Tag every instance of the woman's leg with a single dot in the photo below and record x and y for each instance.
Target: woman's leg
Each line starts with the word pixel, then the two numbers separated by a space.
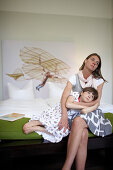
pixel 74 140
pixel 80 159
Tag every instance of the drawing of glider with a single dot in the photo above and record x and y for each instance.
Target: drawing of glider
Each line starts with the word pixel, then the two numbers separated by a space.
pixel 41 65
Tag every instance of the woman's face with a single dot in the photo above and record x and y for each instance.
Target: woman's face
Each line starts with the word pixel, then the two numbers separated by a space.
pixel 92 63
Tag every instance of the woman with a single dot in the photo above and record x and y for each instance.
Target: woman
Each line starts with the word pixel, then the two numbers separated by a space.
pixel 89 75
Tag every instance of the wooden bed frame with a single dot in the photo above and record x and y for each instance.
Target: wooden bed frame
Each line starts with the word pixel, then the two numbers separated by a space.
pixel 20 149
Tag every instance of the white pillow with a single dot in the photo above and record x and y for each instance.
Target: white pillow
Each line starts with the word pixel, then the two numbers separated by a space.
pixel 55 90
pixel 51 102
pixel 25 93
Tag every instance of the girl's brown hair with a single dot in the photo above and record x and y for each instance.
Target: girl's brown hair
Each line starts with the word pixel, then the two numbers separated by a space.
pixel 96 73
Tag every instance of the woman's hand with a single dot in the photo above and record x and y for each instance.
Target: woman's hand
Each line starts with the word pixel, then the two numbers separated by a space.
pixel 63 123
pixel 64 119
pixel 89 109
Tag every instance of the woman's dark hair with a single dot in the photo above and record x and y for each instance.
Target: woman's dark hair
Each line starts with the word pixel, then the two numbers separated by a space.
pixel 96 73
pixel 92 90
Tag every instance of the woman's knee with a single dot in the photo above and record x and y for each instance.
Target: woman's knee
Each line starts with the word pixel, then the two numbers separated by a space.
pixel 78 122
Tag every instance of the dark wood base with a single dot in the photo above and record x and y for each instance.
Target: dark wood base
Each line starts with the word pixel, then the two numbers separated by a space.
pixel 36 154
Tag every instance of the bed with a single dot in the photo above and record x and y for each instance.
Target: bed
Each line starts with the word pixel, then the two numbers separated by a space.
pixel 23 100
pixel 13 130
pixel 14 143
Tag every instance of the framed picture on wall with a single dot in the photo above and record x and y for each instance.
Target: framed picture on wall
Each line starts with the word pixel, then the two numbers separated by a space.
pixel 41 62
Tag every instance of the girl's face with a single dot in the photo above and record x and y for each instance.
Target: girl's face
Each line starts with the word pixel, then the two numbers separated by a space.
pixel 86 97
pixel 92 63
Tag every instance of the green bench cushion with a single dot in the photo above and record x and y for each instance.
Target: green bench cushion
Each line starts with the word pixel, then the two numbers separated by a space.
pixel 13 130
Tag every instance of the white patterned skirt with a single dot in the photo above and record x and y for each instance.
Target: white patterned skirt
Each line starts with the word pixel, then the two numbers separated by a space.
pixel 50 118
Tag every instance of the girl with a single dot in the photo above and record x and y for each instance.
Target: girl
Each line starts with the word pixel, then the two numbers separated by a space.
pixel 47 125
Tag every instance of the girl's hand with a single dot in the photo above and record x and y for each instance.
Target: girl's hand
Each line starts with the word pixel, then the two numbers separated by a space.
pixel 84 111
pixel 63 123
pixel 89 109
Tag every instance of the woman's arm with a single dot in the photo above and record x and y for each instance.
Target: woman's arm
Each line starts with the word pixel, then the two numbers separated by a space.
pixel 94 104
pixel 84 109
pixel 99 89
pixel 64 119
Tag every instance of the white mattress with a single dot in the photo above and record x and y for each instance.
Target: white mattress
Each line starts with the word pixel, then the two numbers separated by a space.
pixel 36 106
pixel 27 107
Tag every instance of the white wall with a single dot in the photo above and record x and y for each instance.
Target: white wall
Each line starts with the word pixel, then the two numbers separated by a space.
pixel 88 8
pixel 89 34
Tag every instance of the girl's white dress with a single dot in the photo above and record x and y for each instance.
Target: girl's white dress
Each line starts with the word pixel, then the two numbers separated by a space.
pixel 50 119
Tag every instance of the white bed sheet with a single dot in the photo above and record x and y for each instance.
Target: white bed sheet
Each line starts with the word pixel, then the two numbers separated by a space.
pixel 106 108
pixel 36 106
pixel 27 107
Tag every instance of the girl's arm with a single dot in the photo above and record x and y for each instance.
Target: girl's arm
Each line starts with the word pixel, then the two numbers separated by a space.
pixel 89 109
pixel 99 89
pixel 73 105
pixel 84 109
pixel 94 104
